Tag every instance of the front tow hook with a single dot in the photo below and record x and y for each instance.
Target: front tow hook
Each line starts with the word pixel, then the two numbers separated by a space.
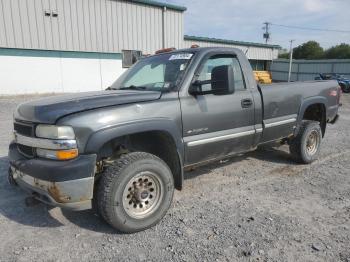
pixel 10 178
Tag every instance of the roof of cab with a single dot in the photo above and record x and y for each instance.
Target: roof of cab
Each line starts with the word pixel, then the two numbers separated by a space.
pixel 200 50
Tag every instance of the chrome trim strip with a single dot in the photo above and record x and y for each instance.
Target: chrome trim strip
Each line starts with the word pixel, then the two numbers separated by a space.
pixel 45 143
pixel 259 130
pixel 220 138
pixel 282 122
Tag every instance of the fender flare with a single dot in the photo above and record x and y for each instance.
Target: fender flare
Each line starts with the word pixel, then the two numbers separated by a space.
pixel 305 104
pixel 97 139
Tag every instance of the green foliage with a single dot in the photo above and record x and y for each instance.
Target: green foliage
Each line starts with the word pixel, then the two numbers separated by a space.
pixel 284 55
pixel 313 50
pixel 341 51
pixel 308 50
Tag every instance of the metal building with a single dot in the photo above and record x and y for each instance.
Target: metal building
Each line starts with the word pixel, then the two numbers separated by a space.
pixel 82 45
pixel 258 54
pixel 305 70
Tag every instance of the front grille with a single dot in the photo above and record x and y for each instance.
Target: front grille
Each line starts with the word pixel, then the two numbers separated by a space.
pixel 24 128
pixel 26 150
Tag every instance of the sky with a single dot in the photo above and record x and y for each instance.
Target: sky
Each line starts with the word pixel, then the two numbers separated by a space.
pixel 242 20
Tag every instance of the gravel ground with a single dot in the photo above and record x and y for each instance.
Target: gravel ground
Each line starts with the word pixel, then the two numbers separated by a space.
pixel 258 206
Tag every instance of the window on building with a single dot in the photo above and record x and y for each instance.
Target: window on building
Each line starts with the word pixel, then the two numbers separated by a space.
pixel 257 65
pixel 130 57
pixel 215 61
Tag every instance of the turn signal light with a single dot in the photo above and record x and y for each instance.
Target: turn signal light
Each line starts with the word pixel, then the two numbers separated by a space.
pixel 57 154
pixel 66 154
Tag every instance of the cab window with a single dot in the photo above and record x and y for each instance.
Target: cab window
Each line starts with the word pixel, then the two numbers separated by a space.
pixel 214 61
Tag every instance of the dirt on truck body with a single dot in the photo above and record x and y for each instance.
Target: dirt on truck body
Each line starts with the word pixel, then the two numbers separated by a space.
pixel 126 149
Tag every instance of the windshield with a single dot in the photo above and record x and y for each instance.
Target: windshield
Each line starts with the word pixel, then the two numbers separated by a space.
pixel 157 73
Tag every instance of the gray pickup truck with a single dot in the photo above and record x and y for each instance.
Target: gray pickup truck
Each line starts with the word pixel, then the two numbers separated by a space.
pixel 125 149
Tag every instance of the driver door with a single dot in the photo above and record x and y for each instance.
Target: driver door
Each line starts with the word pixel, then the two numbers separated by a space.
pixel 215 126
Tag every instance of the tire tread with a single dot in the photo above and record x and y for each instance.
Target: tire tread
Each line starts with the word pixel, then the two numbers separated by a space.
pixel 295 145
pixel 104 190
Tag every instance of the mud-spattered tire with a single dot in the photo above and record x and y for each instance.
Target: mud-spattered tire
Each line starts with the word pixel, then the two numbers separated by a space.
pixel 135 192
pixel 305 147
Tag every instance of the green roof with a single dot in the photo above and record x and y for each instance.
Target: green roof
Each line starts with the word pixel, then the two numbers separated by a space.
pixel 225 41
pixel 160 4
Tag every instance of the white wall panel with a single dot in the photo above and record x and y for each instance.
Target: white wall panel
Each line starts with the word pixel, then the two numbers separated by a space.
pixel 37 74
pixel 110 71
pixel 24 75
pixel 79 74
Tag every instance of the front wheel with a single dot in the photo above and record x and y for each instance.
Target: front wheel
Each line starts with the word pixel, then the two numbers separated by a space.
pixel 135 192
pixel 305 147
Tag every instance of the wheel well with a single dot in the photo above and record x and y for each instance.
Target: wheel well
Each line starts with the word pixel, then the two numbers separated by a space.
pixel 316 112
pixel 158 143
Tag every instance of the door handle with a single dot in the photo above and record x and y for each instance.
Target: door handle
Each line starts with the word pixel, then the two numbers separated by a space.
pixel 245 103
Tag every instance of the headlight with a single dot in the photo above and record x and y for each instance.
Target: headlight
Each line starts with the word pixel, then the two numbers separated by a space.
pixel 54 132
pixel 57 154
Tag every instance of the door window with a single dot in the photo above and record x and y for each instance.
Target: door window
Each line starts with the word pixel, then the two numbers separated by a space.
pixel 205 73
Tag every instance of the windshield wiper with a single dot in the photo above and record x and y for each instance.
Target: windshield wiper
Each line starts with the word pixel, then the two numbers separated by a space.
pixel 132 87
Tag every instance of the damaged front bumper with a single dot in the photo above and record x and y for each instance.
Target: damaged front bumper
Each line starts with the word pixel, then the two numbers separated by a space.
pixel 66 184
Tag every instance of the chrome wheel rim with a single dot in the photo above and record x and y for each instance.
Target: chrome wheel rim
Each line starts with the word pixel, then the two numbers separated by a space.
pixel 312 143
pixel 142 195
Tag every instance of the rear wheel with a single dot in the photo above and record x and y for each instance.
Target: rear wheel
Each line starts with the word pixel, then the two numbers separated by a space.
pixel 305 146
pixel 135 192
pixel 345 87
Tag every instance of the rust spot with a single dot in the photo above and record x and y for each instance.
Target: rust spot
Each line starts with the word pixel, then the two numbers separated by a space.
pixel 54 191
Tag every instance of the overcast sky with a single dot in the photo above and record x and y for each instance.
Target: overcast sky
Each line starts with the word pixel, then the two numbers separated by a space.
pixel 242 19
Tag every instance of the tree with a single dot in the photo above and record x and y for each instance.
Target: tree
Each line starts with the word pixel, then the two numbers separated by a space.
pixel 341 51
pixel 283 54
pixel 308 50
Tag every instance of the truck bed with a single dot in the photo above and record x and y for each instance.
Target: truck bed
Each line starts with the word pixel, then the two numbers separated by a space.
pixel 282 103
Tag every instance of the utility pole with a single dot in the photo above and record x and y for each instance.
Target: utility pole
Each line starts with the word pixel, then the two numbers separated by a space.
pixel 266 34
pixel 290 59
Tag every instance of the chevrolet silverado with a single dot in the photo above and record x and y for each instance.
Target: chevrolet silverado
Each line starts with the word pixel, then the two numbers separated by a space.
pixel 124 150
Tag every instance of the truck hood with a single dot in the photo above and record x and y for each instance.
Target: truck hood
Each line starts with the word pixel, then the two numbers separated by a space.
pixel 49 110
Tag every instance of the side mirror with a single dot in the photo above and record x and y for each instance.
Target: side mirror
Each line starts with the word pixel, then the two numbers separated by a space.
pixel 196 88
pixel 222 82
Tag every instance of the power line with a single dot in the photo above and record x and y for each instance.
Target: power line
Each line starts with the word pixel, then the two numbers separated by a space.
pixel 312 29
